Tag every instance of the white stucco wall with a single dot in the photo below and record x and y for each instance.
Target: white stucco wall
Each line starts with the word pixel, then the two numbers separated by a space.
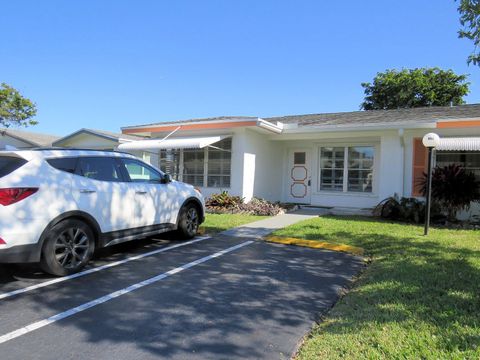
pixel 263 167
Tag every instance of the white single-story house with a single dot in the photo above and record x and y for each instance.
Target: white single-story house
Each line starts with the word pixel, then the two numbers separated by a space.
pixel 21 139
pixel 350 159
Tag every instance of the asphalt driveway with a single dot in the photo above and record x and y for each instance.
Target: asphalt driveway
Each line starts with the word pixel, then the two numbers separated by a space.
pixel 214 298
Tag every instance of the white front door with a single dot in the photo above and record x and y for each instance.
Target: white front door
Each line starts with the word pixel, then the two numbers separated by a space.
pixel 298 176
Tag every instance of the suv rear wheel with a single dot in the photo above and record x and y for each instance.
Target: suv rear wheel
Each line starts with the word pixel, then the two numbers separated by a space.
pixel 67 248
pixel 188 222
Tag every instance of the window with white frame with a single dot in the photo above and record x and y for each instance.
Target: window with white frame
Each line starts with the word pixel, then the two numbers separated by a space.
pixel 346 168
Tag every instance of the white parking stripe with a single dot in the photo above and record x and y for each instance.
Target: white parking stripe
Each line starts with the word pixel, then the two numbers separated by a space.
pixel 39 324
pixel 96 269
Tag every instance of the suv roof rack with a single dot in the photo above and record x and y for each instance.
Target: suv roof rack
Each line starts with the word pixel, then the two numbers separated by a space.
pixel 74 149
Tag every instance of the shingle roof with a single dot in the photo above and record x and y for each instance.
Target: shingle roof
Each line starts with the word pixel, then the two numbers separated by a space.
pixel 34 138
pixel 415 115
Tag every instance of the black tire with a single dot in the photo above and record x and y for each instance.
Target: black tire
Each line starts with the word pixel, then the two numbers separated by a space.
pixel 68 247
pixel 188 221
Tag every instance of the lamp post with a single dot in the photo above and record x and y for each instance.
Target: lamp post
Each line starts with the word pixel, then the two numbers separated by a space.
pixel 430 141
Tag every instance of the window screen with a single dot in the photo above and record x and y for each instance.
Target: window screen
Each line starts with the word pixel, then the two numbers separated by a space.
pixel 469 160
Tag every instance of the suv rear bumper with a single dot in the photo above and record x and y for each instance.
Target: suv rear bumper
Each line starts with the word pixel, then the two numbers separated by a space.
pixel 20 254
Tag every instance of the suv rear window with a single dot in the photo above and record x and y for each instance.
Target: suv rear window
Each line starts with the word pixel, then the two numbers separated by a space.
pixel 9 164
pixel 64 164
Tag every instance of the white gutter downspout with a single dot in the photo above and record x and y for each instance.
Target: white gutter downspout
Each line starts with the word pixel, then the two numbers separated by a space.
pixel 401 135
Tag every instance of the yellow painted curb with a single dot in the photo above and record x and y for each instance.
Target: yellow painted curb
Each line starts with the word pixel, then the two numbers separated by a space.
pixel 315 244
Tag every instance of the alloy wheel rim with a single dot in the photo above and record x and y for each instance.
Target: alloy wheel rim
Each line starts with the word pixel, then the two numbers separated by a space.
pixel 71 248
pixel 192 220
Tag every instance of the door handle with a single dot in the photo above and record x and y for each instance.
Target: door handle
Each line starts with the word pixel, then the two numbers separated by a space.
pixel 140 192
pixel 87 191
pixel 309 182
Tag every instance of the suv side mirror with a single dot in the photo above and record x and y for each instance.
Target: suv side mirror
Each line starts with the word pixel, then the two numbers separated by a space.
pixel 166 179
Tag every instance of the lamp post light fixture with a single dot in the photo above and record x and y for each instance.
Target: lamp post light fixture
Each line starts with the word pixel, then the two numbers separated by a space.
pixel 430 141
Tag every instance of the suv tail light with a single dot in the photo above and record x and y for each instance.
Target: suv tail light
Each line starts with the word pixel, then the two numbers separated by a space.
pixel 2 242
pixel 10 196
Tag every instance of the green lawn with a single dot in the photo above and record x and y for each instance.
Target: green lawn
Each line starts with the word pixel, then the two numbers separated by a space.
pixel 215 223
pixel 418 299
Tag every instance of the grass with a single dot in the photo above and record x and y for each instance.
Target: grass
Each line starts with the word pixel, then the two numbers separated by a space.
pixel 215 223
pixel 418 299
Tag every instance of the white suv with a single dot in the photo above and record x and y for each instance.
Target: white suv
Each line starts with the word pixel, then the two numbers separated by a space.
pixel 58 206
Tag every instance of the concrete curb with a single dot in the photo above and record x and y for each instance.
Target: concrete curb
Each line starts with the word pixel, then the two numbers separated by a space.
pixel 315 244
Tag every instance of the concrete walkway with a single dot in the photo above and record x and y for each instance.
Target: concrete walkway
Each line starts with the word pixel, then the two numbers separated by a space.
pixel 261 228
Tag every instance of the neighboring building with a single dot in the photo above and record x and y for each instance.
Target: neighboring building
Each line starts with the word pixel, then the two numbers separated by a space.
pixel 21 139
pixel 352 159
pixel 102 140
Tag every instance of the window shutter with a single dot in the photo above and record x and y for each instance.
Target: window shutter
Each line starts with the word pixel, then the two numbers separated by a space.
pixel 419 165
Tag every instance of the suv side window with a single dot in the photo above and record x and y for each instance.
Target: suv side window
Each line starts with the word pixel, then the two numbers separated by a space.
pixel 99 168
pixel 140 172
pixel 64 164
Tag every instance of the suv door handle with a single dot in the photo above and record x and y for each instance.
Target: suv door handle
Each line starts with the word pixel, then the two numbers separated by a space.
pixel 140 192
pixel 87 191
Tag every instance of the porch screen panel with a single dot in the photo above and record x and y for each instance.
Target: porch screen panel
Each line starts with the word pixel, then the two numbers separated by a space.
pixel 468 160
pixel 360 168
pixel 219 164
pixel 331 168
pixel 193 166
pixel 170 162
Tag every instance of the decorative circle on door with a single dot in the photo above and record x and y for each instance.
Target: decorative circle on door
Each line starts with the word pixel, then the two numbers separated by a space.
pixel 299 173
pixel 298 190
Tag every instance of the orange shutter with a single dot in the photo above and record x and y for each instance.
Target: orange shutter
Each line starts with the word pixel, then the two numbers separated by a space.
pixel 419 165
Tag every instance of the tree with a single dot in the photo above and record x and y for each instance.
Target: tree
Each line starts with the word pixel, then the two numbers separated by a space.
pixel 470 20
pixel 14 108
pixel 411 88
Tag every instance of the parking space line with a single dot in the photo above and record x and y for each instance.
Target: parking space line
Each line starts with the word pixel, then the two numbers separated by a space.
pixel 39 324
pixel 97 269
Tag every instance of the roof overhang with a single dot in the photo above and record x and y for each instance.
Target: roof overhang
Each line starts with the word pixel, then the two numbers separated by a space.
pixel 175 143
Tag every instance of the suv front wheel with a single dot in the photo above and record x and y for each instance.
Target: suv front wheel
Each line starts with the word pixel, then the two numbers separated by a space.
pixel 188 222
pixel 68 247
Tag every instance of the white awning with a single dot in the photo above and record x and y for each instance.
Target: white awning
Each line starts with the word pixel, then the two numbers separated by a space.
pixel 459 144
pixel 175 143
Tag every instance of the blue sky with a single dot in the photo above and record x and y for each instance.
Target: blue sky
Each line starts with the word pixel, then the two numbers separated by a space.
pixel 106 64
